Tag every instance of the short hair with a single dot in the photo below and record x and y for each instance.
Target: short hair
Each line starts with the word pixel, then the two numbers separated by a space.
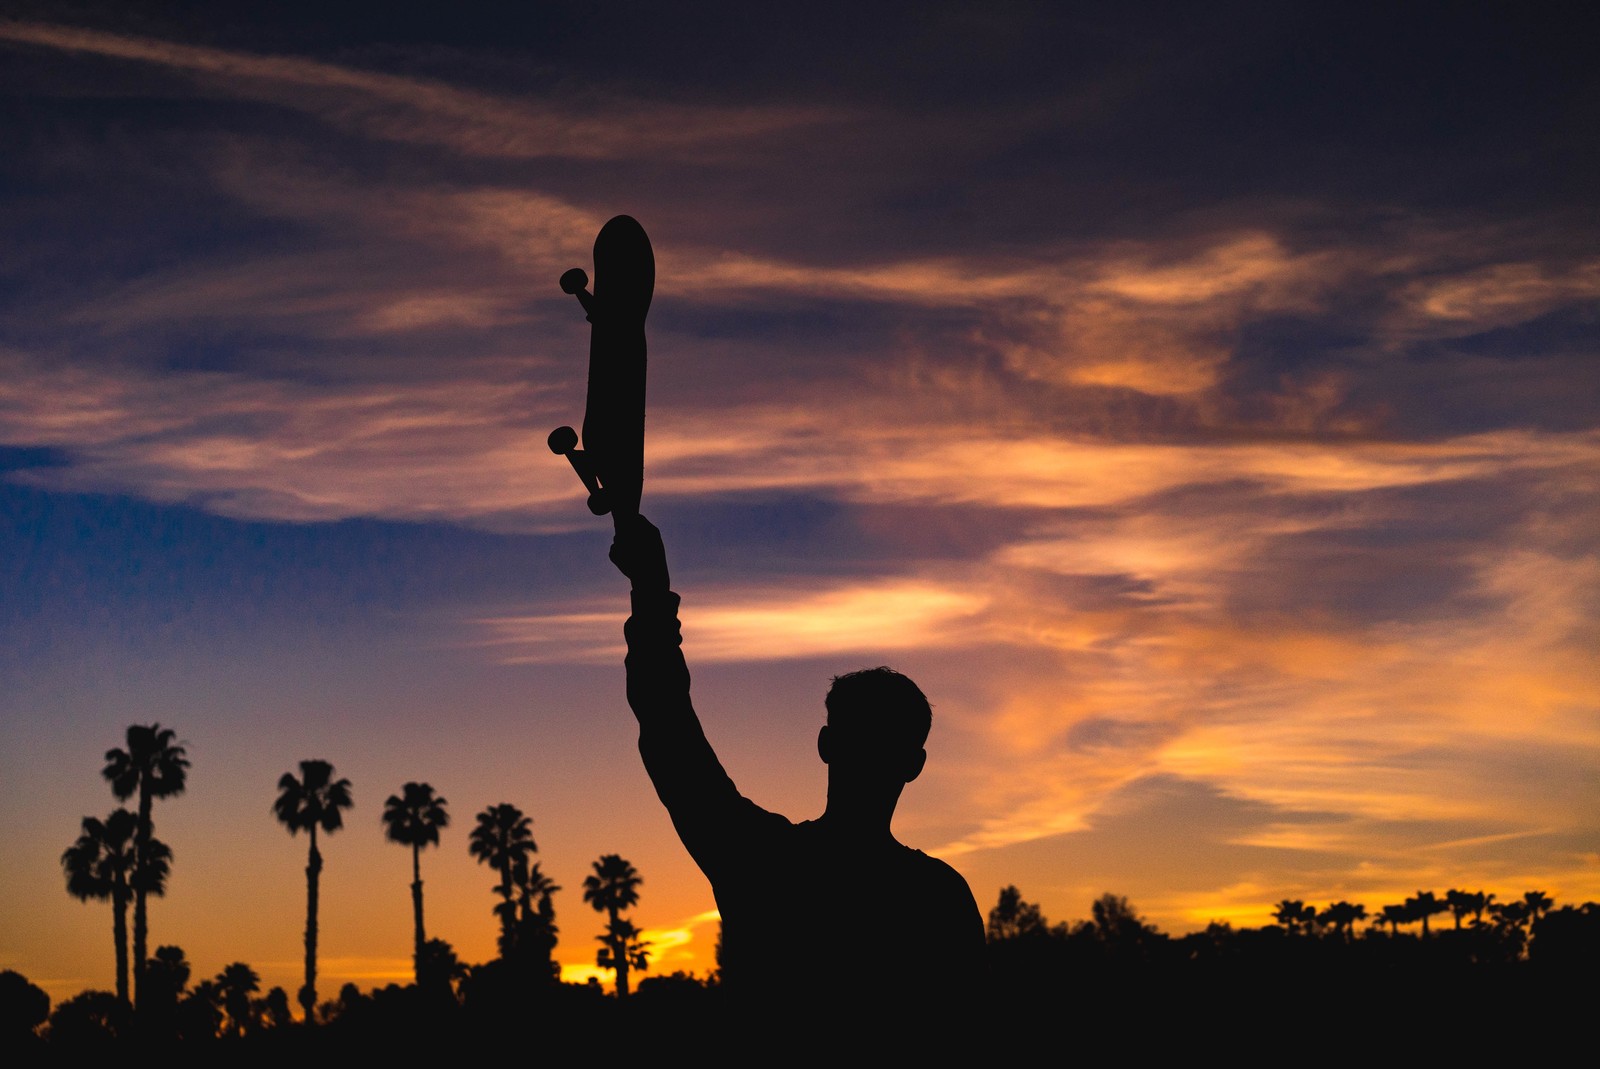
pixel 879 707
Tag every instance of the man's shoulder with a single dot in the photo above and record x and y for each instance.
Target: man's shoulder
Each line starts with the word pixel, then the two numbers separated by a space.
pixel 944 873
pixel 925 860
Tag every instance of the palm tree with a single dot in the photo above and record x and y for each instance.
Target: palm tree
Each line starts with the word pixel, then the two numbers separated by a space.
pixel 614 887
pixel 1343 917
pixel 1394 916
pixel 622 949
pixel 1459 903
pixel 173 967
pixel 534 890
pixel 535 933
pixel 1423 906
pixel 201 1011
pixel 153 766
pixel 1511 924
pixel 237 983
pixel 104 863
pixel 441 971
pixel 1538 904
pixel 315 800
pixel 274 1008
pixel 166 975
pixel 413 818
pixel 1510 914
pixel 98 866
pixel 1292 913
pixel 502 840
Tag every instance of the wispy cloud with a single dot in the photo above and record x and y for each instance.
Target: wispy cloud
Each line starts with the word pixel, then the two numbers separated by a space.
pixel 287 450
pixel 776 623
pixel 1500 294
pixel 399 108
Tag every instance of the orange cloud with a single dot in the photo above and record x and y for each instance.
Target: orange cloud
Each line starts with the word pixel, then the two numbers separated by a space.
pixel 795 621
pixel 1502 293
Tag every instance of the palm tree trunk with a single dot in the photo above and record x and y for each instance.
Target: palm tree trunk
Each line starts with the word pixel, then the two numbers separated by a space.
pixel 416 909
pixel 619 956
pixel 507 917
pixel 141 845
pixel 119 931
pixel 308 993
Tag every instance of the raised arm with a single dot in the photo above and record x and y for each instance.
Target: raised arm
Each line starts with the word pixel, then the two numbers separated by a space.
pixel 658 678
pixel 704 804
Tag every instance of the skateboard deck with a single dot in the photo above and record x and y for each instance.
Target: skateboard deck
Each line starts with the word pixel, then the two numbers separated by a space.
pixel 611 462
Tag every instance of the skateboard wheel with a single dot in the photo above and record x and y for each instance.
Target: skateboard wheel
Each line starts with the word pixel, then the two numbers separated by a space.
pixel 574 281
pixel 563 440
pixel 598 503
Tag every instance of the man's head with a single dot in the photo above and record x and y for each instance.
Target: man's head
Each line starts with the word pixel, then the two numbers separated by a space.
pixel 877 719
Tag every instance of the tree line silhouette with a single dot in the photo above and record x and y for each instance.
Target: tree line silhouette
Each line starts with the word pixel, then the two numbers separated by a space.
pixel 1034 965
pixel 119 860
pixel 1512 932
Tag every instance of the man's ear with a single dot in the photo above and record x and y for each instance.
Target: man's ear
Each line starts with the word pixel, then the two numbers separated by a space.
pixel 914 766
pixel 824 744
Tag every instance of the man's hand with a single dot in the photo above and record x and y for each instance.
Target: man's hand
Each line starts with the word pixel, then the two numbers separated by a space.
pixel 638 554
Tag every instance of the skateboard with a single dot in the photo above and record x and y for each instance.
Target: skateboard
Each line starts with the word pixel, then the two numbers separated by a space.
pixel 611 462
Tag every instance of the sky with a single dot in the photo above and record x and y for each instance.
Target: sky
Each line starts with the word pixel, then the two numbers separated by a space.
pixel 1200 402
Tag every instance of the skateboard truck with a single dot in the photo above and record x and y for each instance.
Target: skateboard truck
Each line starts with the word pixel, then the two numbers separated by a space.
pixel 563 441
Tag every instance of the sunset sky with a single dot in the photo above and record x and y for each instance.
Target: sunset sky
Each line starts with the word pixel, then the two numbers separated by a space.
pixel 1201 403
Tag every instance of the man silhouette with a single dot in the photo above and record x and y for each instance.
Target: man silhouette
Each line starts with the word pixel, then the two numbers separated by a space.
pixel 831 916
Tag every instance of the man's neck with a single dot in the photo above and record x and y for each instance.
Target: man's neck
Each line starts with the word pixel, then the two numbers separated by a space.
pixel 860 815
